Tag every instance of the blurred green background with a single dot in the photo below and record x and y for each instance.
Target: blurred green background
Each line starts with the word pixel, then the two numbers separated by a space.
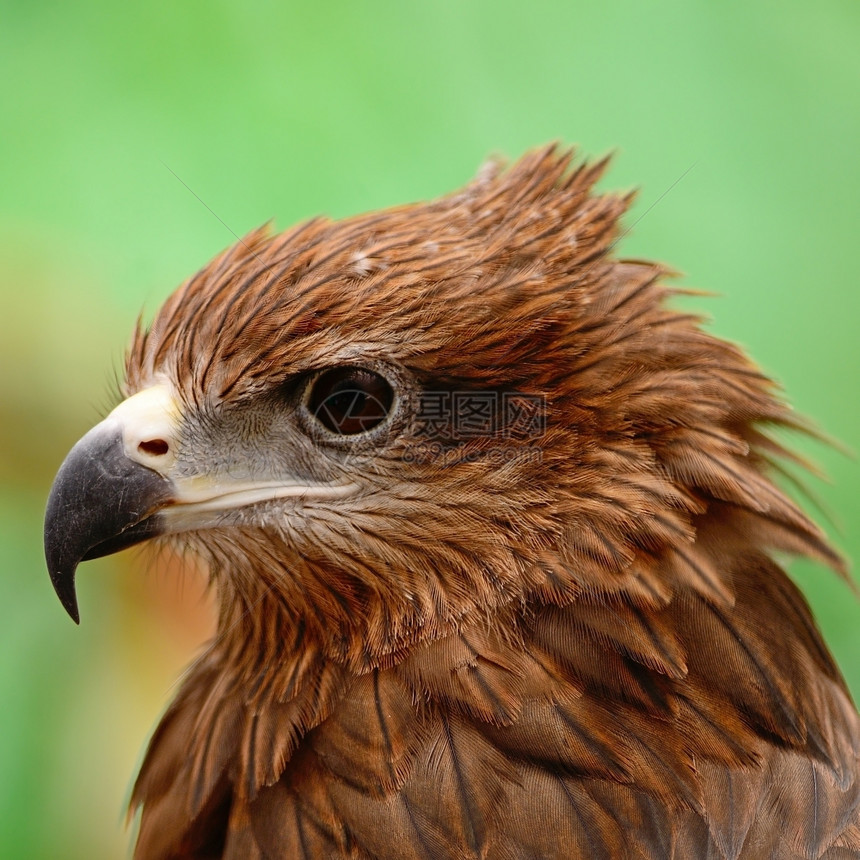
pixel 739 121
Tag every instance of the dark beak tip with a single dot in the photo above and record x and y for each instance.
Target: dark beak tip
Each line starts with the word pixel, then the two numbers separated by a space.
pixel 64 588
pixel 73 613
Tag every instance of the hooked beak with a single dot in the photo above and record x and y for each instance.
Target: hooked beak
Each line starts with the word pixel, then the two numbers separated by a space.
pixel 110 488
pixel 121 485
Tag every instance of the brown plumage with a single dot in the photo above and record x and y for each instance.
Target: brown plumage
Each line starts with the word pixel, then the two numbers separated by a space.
pixel 561 639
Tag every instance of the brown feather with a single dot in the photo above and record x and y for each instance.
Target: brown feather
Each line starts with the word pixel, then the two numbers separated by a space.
pixel 588 653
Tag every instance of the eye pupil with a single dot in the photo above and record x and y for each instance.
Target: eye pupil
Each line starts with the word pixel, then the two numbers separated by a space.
pixel 350 400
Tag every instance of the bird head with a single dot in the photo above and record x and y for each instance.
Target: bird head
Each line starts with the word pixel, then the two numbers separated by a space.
pixel 380 426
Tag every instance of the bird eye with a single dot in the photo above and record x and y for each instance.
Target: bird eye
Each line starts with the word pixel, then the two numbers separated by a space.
pixel 350 400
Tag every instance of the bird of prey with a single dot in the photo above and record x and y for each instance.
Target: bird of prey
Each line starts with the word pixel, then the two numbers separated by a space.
pixel 492 529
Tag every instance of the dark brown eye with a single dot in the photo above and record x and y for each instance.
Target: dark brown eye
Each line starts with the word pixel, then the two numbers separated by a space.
pixel 350 400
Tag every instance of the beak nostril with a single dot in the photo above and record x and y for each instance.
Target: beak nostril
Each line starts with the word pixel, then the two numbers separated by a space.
pixel 154 447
